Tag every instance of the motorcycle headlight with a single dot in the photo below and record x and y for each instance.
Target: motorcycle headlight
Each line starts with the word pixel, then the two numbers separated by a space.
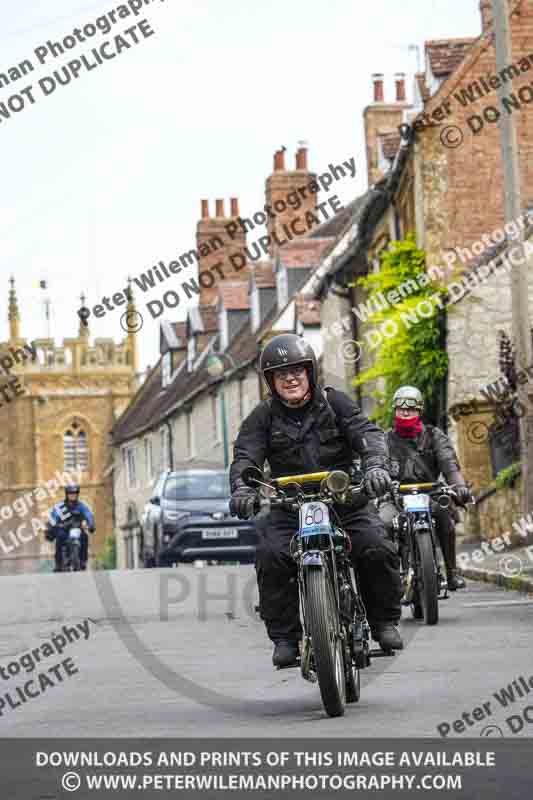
pixel 337 481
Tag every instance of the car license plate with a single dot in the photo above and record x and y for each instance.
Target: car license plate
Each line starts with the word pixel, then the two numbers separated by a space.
pixel 221 533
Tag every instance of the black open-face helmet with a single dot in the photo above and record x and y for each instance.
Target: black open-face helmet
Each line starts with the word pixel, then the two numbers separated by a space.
pixel 72 488
pixel 287 349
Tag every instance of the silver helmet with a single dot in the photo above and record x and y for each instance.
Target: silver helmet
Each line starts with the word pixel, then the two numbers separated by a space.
pixel 408 397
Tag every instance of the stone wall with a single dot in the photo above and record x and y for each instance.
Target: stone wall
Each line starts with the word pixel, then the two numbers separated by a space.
pixel 495 515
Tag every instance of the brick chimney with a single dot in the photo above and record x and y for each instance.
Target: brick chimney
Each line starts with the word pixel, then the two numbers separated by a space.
pixel 216 240
pixel 381 118
pixel 399 79
pixel 279 185
pixel 377 79
pixel 485 7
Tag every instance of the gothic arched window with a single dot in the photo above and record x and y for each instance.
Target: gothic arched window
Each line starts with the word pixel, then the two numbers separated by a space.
pixel 75 449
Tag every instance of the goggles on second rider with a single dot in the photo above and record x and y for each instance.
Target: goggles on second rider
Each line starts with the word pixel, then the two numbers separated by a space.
pixel 283 373
pixel 407 402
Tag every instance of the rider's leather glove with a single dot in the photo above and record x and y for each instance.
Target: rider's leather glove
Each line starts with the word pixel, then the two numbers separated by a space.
pixel 463 494
pixel 243 502
pixel 377 481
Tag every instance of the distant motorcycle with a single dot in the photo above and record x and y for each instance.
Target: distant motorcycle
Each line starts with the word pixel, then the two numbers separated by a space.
pixel 421 560
pixel 335 629
pixel 71 548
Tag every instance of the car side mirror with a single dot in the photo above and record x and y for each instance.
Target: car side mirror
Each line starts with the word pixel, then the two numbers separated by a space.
pixel 251 476
pixel 156 501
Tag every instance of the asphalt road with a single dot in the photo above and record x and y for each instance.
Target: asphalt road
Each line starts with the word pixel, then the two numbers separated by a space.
pixel 180 652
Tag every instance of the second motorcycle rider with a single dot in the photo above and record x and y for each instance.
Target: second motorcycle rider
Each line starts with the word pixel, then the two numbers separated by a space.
pixel 303 428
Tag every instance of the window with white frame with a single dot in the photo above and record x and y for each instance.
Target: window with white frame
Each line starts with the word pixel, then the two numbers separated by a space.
pixel 191 444
pixel 255 312
pixel 283 287
pixel 148 459
pixel 215 416
pixel 191 351
pixel 164 446
pixel 131 466
pixel 166 368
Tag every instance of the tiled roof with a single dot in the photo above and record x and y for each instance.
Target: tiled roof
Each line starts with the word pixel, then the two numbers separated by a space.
pixel 234 295
pixel 152 404
pixel 264 274
pixel 303 253
pixel 307 311
pixel 446 54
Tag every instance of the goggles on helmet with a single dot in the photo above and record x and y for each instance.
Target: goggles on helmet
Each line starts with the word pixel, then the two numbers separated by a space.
pixel 407 402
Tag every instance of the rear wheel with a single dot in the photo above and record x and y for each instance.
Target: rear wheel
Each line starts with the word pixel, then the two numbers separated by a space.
pixel 427 584
pixel 324 628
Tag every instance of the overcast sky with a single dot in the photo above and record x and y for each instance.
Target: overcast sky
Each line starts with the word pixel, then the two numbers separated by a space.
pixel 104 177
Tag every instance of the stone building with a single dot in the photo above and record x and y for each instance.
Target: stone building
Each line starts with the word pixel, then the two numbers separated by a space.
pixel 57 425
pixel 443 180
pixel 185 416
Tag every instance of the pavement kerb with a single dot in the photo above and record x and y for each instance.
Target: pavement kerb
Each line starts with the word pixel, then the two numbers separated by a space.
pixel 515 583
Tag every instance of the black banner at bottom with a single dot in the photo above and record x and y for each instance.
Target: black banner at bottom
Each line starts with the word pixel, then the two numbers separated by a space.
pixel 33 769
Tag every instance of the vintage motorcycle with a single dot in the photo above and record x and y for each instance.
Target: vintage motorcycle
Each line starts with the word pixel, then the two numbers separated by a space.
pixel 336 633
pixel 71 547
pixel 422 565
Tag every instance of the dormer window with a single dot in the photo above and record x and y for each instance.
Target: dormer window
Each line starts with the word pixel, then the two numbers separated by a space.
pixel 254 309
pixel 166 368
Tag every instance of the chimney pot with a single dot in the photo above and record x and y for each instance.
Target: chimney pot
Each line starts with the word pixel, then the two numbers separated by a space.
pixel 234 206
pixel 400 87
pixel 279 160
pixel 219 208
pixel 205 209
pixel 377 78
pixel 485 7
pixel 301 158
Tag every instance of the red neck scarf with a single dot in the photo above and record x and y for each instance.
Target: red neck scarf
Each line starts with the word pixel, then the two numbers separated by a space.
pixel 407 428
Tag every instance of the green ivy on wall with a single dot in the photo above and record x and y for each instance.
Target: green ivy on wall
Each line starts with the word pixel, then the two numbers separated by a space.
pixel 415 353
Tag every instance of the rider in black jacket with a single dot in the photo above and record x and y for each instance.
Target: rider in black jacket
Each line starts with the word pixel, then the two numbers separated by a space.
pixel 419 453
pixel 302 428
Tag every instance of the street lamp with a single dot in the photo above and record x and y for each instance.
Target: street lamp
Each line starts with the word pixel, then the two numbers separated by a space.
pixel 215 368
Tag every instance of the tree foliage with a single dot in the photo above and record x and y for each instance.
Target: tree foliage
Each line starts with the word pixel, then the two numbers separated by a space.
pixel 411 349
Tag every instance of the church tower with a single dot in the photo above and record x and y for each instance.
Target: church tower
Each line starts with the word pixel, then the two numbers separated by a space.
pixel 58 403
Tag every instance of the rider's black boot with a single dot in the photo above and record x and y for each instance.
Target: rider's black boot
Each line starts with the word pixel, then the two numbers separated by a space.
pixel 285 654
pixel 454 580
pixel 388 636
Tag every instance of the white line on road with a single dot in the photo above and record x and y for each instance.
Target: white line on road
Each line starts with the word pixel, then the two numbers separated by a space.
pixel 498 603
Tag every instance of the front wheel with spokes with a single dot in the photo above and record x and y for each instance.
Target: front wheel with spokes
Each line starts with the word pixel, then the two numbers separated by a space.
pixel 328 647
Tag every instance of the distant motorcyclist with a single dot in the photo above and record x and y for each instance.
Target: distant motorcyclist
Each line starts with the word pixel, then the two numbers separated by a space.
pixel 303 428
pixel 420 452
pixel 58 524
